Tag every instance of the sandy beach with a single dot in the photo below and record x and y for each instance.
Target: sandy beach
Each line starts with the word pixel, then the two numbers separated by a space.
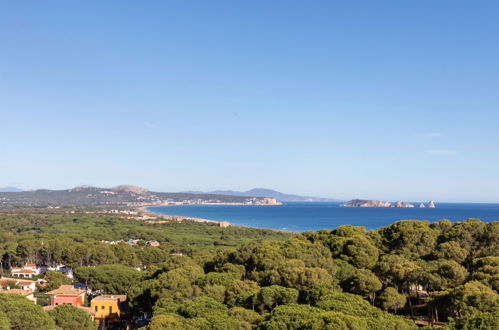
pixel 163 218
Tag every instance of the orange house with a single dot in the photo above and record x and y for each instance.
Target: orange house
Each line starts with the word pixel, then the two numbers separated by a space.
pixel 109 306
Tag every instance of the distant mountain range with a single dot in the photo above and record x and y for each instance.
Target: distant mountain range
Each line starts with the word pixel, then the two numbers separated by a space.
pixel 10 189
pixel 262 192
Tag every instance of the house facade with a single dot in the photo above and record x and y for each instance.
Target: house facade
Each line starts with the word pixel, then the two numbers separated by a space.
pixel 67 299
pixel 16 286
pixel 66 270
pixel 26 271
pixel 67 295
pixel 26 293
pixel 10 283
pixel 108 307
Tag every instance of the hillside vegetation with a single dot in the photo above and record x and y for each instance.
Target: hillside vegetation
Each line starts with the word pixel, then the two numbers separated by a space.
pixel 438 273
pixel 120 195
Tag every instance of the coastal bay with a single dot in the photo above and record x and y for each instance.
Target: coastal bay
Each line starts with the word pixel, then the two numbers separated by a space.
pixel 315 216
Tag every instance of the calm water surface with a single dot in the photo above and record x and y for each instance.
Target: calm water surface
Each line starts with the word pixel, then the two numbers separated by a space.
pixel 314 216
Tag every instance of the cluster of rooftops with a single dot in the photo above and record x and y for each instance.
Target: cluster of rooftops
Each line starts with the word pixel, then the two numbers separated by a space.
pixel 101 307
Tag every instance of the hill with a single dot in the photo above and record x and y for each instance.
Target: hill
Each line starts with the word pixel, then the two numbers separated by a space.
pixel 120 195
pixel 10 189
pixel 282 197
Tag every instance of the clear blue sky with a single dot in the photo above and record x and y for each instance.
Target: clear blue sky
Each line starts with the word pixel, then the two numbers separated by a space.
pixel 348 99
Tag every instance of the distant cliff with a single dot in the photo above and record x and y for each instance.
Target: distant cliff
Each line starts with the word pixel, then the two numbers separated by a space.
pixel 374 203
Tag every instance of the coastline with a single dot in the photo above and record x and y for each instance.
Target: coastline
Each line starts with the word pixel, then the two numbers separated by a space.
pixel 163 218
pixel 300 217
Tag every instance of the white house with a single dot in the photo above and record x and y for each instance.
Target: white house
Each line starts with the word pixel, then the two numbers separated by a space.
pixel 66 270
pixel 28 270
pixel 26 285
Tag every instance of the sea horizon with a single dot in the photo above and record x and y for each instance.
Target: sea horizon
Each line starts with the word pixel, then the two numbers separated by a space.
pixel 302 216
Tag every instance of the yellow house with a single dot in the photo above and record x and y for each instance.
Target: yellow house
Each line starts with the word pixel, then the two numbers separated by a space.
pixel 106 307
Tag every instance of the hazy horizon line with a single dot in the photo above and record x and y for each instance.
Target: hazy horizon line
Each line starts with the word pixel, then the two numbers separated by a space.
pixel 193 191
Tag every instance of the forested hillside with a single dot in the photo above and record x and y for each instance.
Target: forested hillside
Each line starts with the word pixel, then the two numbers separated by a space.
pixel 120 195
pixel 205 277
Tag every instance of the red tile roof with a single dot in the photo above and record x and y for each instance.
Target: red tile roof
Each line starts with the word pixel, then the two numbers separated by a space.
pixel 6 280
pixel 67 295
pixel 21 271
pixel 66 289
pixel 120 297
pixel 18 291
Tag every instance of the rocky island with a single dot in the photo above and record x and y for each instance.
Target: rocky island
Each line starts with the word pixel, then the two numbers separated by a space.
pixel 375 203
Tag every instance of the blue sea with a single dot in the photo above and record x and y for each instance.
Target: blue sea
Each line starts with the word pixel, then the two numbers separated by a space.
pixel 314 216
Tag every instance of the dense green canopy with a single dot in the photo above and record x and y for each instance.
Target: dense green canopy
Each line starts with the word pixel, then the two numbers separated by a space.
pixel 204 277
pixel 23 314
pixel 70 317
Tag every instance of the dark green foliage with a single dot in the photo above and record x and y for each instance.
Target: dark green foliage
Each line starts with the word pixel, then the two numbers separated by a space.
pixel 446 274
pixel 215 278
pixel 243 314
pixel 174 279
pixel 314 294
pixel 351 244
pixel 75 241
pixel 410 238
pixel 268 280
pixel 468 234
pixel 365 283
pixel 396 270
pixel 109 278
pixel 390 299
pixel 240 293
pixel 54 280
pixel 272 296
pixel 354 305
pixel 206 310
pixel 486 270
pixel 24 314
pixel 479 321
pixel 306 317
pixel 70 317
pixel 311 254
pixel 165 306
pixel 168 322
pixel 4 321
pixel 442 226
pixel 450 251
pixel 474 297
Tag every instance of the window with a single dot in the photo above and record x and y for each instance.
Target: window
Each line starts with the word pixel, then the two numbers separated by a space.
pixel 102 307
pixel 96 308
pixel 110 309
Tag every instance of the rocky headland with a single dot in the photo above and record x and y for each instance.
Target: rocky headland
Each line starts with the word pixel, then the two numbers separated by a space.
pixel 375 203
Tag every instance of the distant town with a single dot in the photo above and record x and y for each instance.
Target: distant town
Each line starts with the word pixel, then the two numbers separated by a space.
pixel 130 196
